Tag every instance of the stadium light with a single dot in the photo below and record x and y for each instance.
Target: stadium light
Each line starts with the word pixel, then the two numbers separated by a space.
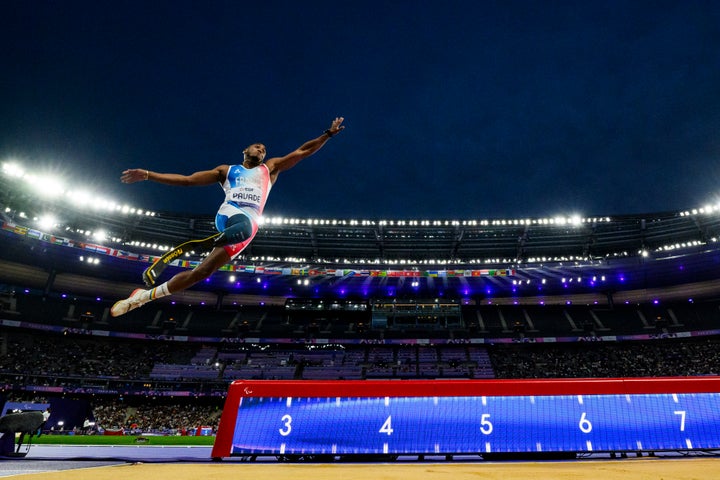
pixel 12 169
pixel 47 222
pixel 46 186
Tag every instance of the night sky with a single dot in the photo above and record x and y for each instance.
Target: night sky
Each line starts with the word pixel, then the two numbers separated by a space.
pixel 453 109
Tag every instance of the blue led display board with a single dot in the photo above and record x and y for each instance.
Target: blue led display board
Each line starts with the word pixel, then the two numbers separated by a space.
pixel 469 417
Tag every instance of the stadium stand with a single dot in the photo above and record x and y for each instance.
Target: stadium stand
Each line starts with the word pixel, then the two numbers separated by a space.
pixel 630 295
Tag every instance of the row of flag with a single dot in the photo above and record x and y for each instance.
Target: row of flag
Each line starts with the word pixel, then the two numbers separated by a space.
pixel 257 269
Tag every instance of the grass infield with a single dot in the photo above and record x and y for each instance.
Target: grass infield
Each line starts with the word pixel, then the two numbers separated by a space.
pixel 123 440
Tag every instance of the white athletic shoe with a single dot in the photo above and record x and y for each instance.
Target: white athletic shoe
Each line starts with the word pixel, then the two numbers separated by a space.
pixel 131 303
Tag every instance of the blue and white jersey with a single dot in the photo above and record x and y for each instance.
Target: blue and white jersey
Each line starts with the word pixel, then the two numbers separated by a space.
pixel 246 190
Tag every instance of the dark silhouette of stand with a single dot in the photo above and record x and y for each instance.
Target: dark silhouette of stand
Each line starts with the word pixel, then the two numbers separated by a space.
pixel 25 423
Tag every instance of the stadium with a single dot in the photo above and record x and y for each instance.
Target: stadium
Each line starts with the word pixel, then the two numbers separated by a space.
pixel 359 301
pixel 497 256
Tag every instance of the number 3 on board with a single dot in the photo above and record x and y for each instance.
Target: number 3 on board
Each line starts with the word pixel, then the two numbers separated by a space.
pixel 387 426
pixel 287 428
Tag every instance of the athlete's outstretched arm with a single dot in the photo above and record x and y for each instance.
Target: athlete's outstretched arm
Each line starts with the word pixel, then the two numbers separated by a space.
pixel 280 164
pixel 204 177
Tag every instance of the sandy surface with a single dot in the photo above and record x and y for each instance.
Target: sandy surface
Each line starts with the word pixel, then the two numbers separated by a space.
pixel 625 469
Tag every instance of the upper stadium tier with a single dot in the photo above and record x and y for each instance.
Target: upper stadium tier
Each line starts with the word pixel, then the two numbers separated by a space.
pixel 630 256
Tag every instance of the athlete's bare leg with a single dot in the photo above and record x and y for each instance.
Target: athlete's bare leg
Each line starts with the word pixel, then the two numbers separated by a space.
pixel 181 281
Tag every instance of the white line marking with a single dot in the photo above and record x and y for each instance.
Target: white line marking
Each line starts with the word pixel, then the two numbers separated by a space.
pixel 589 445
pixel 288 402
pixel 580 399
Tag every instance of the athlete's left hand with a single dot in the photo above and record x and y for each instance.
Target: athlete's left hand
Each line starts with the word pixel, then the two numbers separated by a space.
pixel 336 126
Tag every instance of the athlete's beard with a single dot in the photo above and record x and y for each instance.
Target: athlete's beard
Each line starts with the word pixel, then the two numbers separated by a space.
pixel 253 161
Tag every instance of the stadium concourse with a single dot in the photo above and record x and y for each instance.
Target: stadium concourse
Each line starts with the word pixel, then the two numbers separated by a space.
pixel 313 299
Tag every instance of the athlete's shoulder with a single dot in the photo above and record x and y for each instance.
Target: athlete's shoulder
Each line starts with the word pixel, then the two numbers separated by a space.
pixel 222 172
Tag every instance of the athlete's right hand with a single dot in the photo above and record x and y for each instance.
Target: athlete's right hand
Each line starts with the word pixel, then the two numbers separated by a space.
pixel 133 175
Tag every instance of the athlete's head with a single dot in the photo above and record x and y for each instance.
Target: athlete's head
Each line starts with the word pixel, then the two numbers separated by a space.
pixel 254 155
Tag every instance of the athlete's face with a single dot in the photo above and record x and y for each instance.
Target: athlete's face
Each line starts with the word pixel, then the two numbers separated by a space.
pixel 254 154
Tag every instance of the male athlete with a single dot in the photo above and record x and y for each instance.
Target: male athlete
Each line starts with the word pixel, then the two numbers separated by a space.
pixel 246 189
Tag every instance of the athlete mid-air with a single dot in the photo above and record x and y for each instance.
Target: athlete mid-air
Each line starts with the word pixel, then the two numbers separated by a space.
pixel 246 187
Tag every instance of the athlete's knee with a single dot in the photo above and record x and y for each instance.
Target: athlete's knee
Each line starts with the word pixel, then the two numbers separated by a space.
pixel 238 229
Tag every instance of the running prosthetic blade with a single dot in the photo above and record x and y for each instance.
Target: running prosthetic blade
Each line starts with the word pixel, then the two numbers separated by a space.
pixel 151 274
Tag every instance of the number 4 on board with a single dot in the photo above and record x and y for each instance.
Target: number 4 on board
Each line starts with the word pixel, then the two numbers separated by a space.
pixel 387 426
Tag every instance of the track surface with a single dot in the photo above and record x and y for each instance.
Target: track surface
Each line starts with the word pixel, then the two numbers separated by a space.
pixel 180 463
